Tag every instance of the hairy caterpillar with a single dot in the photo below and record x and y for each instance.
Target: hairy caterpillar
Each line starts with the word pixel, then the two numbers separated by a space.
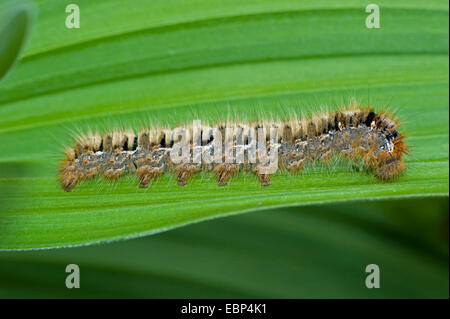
pixel 357 133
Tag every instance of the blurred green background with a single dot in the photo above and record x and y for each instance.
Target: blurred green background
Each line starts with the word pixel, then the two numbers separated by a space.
pixel 304 252
pixel 182 59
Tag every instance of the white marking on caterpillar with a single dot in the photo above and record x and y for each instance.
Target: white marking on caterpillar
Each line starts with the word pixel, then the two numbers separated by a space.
pixel 261 146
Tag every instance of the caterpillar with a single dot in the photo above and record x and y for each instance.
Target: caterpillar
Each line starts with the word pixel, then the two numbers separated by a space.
pixel 225 148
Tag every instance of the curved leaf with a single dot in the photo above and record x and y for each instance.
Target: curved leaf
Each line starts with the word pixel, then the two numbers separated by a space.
pixel 182 64
pixel 304 252
pixel 15 23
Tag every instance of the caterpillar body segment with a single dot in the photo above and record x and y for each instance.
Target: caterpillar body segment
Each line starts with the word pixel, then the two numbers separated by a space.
pixel 359 134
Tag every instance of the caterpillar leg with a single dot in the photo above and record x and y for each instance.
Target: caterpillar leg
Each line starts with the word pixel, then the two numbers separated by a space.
pixel 260 171
pixel 70 176
pixel 224 172
pixel 149 165
pixel 185 171
pixel 73 171
pixel 147 173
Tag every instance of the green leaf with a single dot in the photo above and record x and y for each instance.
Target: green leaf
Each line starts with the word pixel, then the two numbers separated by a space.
pixel 305 252
pixel 15 22
pixel 178 61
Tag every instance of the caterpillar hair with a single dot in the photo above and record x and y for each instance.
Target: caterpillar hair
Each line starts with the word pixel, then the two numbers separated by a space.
pixel 359 134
